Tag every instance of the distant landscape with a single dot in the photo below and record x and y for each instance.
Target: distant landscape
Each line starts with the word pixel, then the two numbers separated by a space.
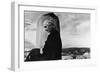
pixel 75 53
pixel 67 53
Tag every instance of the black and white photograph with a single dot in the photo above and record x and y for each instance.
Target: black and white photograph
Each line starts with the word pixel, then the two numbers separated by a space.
pixel 56 36
pixel 52 36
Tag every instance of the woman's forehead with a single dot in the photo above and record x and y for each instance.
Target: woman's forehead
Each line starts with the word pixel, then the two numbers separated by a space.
pixel 47 22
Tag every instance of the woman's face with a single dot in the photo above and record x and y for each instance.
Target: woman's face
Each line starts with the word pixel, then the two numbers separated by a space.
pixel 48 25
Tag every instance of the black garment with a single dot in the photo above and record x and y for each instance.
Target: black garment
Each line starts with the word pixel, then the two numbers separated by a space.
pixel 53 46
pixel 34 55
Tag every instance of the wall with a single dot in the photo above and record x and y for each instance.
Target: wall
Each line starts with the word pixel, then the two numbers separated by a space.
pixel 5 31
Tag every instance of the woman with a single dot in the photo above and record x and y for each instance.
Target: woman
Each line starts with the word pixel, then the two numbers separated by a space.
pixel 53 46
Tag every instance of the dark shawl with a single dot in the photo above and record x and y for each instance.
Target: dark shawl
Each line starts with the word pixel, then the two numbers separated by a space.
pixel 53 46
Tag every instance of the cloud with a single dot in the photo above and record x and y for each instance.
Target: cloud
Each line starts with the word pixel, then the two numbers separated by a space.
pixel 75 29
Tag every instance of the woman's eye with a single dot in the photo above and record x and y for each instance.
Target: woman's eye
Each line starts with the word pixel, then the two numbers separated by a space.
pixel 49 23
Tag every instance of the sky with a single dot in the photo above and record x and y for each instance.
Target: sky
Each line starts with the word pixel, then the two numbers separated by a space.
pixel 75 28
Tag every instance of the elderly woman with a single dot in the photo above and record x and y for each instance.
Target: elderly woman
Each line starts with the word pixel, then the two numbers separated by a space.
pixel 53 46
